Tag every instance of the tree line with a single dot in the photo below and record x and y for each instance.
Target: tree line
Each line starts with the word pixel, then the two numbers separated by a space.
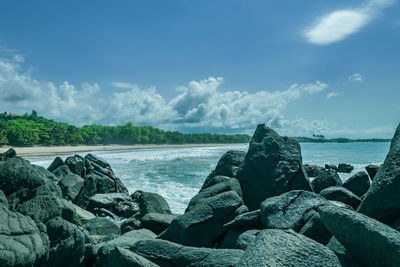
pixel 28 130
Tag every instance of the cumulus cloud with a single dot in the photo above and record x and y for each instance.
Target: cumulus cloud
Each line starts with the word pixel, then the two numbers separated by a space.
pixel 331 94
pixel 356 77
pixel 340 24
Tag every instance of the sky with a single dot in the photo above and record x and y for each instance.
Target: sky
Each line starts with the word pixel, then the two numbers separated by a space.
pixel 301 67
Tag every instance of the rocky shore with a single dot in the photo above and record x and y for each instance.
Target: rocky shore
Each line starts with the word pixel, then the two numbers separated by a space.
pixel 260 208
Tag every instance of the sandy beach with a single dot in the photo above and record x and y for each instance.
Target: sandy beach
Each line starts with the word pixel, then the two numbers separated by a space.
pixel 60 150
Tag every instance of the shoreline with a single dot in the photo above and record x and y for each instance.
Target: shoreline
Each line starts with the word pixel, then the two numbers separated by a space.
pixel 62 150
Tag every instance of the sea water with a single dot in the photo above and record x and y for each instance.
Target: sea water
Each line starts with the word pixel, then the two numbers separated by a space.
pixel 178 173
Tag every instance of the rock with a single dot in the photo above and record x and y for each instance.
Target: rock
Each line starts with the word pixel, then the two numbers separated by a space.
pixel 239 238
pixel 315 229
pixel 157 222
pixel 341 194
pixel 165 253
pixel 213 180
pixel 202 225
pixel 57 162
pixel 3 199
pixel 372 170
pixel 150 202
pixel 82 216
pixel 71 185
pixel 346 260
pixel 90 158
pixel 9 154
pixel 329 166
pixel 250 219
pixel 326 179
pixel 123 257
pixel 67 243
pixel 21 242
pixel 286 211
pixel 76 164
pixel 344 167
pixel 358 184
pixel 382 201
pixel 132 223
pixel 231 184
pixel 272 166
pixel 126 241
pixel 370 242
pixel 102 226
pixel 61 171
pixel 275 247
pixel 313 170
pixel 118 203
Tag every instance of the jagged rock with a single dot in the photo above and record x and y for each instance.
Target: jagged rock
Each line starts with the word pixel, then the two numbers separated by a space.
pixel 326 179
pixel 3 199
pixel 372 170
pixel 274 247
pixel 76 164
pixel 250 219
pixel 358 184
pixel 57 162
pixel 231 184
pixel 239 238
pixel 118 203
pixel 132 223
pixel 71 185
pixel 82 216
pixel 102 226
pixel 382 201
pixel 341 194
pixel 90 158
pixel 204 223
pixel 9 154
pixel 123 257
pixel 126 241
pixel 344 167
pixel 329 166
pixel 150 202
pixel 272 166
pixel 313 170
pixel 61 171
pixel 370 242
pixel 157 222
pixel 67 243
pixel 315 229
pixel 165 253
pixel 21 242
pixel 286 211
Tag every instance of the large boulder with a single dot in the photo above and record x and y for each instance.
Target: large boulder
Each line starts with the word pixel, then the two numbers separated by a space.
pixel 370 242
pixel 124 257
pixel 102 226
pixel 9 154
pixel 165 253
pixel 344 167
pixel 71 185
pixel 272 166
pixel 382 201
pixel 250 219
pixel 157 222
pixel 202 225
pixel 372 170
pixel 359 183
pixel 313 170
pixel 274 247
pixel 119 204
pixel 21 242
pixel 150 202
pixel 345 258
pixel 315 229
pixel 239 238
pixel 76 164
pixel 330 166
pixel 326 179
pixel 341 194
pixel 286 211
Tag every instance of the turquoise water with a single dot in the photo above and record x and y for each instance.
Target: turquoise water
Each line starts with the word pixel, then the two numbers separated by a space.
pixel 178 173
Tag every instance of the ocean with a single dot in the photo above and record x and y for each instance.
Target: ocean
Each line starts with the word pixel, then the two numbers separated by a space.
pixel 178 173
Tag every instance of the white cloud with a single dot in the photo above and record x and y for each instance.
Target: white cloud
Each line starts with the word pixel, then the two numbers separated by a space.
pixel 340 24
pixel 356 77
pixel 123 85
pixel 331 94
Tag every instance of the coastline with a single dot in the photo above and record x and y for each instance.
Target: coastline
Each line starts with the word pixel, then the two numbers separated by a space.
pixel 62 150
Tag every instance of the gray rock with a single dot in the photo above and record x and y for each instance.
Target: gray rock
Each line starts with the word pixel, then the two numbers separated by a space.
pixel 3 199
pixel 250 219
pixel 359 183
pixel 275 247
pixel 315 229
pixel 9 154
pixel 150 202
pixel 123 257
pixel 341 194
pixel 119 204
pixel 329 166
pixel 67 243
pixel 21 242
pixel 239 238
pixel 372 170
pixel 165 253
pixel 370 242
pixel 82 216
pixel 205 222
pixel 57 162
pixel 90 158
pixel 71 185
pixel 344 167
pixel 313 170
pixel 326 179
pixel 272 166
pixel 287 210
pixel 132 223
pixel 102 226
pixel 157 222
pixel 382 201
pixel 346 260
pixel 61 171
pixel 76 164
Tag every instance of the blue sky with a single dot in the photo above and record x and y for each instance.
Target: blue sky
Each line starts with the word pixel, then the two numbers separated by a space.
pixel 303 67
